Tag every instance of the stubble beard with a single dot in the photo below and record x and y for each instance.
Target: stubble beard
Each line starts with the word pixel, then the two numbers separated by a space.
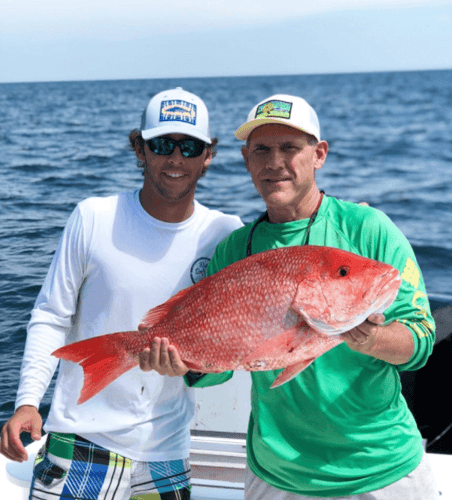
pixel 166 193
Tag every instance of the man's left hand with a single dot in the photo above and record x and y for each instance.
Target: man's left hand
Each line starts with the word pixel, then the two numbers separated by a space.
pixel 363 337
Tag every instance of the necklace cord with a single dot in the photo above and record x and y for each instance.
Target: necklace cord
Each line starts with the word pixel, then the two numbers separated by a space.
pixel 264 217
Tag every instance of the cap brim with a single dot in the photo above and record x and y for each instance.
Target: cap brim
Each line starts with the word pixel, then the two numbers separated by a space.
pixel 245 130
pixel 175 128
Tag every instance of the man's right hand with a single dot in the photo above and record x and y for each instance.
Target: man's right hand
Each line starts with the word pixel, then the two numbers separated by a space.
pixel 163 358
pixel 26 419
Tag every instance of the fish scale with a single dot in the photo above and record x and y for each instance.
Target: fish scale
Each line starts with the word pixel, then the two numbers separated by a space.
pixel 282 308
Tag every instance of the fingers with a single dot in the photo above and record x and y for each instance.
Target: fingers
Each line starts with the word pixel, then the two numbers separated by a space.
pixel 178 366
pixel 26 419
pixel 362 337
pixel 376 319
pixel 7 448
pixel 162 358
pixel 355 336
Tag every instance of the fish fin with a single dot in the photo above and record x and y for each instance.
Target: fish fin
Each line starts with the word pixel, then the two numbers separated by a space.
pixel 279 345
pixel 102 358
pixel 156 314
pixel 195 367
pixel 291 371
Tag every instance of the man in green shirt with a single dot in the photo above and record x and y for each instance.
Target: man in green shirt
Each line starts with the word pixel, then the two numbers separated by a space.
pixel 341 427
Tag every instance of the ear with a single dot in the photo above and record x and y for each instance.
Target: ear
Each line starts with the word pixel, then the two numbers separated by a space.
pixel 321 151
pixel 139 150
pixel 207 159
pixel 245 154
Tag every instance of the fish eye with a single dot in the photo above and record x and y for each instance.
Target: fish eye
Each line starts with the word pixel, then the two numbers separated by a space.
pixel 343 271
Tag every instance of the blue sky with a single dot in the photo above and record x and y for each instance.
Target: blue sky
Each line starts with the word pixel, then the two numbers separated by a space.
pixel 47 40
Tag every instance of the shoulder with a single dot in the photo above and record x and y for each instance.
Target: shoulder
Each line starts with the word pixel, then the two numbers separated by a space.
pixel 354 211
pixel 231 249
pixel 217 219
pixel 99 209
pixel 351 216
pixel 237 239
pixel 100 204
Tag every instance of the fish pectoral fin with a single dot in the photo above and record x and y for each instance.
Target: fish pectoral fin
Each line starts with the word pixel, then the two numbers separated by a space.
pixel 279 345
pixel 291 371
pixel 196 367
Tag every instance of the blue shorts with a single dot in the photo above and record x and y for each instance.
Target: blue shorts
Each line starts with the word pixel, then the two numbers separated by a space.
pixel 70 467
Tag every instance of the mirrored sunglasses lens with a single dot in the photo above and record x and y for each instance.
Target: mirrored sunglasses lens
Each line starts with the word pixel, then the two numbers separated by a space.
pixel 161 146
pixel 191 148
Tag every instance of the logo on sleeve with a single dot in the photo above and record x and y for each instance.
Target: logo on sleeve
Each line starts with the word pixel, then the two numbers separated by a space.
pixel 411 273
pixel 198 269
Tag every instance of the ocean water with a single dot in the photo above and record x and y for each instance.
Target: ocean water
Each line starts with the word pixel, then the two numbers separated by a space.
pixel 390 137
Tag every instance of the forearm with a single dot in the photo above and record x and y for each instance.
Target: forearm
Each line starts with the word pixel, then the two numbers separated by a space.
pixel 392 343
pixel 38 365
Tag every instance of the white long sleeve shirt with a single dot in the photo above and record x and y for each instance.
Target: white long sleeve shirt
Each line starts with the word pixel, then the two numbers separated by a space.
pixel 114 262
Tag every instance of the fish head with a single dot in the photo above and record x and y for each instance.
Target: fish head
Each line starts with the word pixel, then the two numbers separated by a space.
pixel 342 289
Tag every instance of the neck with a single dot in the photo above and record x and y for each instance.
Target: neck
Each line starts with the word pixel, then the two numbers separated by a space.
pixel 176 211
pixel 309 205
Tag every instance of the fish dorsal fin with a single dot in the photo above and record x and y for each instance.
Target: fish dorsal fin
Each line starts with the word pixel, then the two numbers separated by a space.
pixel 155 315
pixel 279 345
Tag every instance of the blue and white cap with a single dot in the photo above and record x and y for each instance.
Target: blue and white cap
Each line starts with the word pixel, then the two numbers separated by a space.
pixel 284 109
pixel 176 111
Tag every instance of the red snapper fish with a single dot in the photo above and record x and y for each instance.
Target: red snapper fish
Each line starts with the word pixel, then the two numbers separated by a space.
pixel 281 308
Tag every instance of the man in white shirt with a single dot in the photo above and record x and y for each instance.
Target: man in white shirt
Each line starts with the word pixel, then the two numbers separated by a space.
pixel 118 257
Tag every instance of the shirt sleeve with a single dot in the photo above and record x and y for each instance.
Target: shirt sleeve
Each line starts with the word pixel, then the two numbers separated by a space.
pixel 51 317
pixel 411 307
pixel 207 379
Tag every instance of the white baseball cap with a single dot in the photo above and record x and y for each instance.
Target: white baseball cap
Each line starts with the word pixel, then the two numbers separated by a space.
pixel 283 109
pixel 176 111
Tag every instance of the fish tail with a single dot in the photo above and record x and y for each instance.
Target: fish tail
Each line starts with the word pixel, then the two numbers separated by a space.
pixel 103 360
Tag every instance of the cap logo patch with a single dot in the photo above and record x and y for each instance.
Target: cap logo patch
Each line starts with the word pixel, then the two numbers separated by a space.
pixel 179 111
pixel 275 109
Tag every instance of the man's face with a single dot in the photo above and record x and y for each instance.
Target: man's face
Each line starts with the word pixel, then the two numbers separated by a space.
pixel 282 163
pixel 174 177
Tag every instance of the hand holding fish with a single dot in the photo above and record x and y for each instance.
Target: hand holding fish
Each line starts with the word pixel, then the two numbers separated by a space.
pixel 392 343
pixel 163 358
pixel 362 337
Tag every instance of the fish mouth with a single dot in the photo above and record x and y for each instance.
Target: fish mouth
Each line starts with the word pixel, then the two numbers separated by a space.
pixel 383 295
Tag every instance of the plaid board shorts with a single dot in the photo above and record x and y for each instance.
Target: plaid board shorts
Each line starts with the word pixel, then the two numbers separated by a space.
pixel 70 467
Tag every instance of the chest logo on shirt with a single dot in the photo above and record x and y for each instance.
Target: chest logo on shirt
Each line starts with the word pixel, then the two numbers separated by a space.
pixel 198 269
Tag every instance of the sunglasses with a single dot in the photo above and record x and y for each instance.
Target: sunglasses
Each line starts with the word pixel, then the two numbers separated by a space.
pixel 164 146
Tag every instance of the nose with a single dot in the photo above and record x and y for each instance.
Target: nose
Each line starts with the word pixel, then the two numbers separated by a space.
pixel 275 159
pixel 176 156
